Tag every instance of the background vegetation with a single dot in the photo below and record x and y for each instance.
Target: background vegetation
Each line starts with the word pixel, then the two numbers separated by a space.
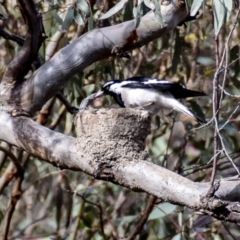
pixel 64 204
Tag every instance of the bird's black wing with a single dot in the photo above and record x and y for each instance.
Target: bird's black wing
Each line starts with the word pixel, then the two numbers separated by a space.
pixel 164 86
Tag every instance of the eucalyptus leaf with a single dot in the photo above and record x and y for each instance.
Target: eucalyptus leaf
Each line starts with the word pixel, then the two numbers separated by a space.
pixel 196 108
pixel 53 3
pixel 139 13
pixel 57 17
pixel 206 61
pixel 157 12
pixel 221 12
pixel 78 18
pixel 229 7
pixel 162 210
pixel 68 18
pixel 149 4
pixel 118 7
pixel 195 7
pixel 124 220
pixel 90 22
pixel 83 6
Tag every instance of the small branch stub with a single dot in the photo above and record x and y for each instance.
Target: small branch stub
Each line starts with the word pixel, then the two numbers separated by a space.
pixel 112 137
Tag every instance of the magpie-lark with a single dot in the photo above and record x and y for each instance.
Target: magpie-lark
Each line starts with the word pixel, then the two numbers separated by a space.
pixel 150 94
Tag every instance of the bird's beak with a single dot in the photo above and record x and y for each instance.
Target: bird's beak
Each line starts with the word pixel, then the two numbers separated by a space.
pixel 98 94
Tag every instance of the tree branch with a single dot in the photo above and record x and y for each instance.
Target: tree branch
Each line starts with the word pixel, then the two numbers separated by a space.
pixel 139 227
pixel 21 64
pixel 135 174
pixel 91 47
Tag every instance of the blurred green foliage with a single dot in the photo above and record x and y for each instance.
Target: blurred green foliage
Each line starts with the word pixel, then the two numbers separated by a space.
pixel 71 205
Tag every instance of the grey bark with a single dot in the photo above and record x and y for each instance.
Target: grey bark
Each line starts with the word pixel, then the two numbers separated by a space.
pixel 61 150
pixel 89 48
pixel 134 173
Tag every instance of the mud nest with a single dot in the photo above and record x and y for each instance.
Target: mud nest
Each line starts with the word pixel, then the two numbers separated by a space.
pixel 112 136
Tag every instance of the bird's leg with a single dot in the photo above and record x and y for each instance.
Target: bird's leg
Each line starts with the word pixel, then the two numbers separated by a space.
pixel 70 108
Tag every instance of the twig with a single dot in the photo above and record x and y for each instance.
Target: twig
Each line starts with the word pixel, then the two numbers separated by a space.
pixel 228 231
pixel 215 100
pixel 229 94
pixel 70 108
pixel 138 228
pixel 97 205
pixel 10 36
pixel 229 118
pixel 168 145
pixel 21 64
pixel 7 177
pixel 15 196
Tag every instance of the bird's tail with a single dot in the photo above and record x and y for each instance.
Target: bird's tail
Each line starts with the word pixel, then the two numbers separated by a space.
pixel 181 108
pixel 196 117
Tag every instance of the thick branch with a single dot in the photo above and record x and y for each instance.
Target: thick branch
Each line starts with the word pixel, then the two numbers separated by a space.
pixel 21 64
pixel 61 151
pixel 91 47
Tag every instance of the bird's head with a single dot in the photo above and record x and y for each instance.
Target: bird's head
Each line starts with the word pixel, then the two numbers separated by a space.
pixel 108 88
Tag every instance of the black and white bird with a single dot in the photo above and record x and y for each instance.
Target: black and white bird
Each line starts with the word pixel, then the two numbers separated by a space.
pixel 150 94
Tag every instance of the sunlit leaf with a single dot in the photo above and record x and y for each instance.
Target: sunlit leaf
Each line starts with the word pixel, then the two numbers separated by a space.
pixel 221 12
pixel 3 11
pixel 138 14
pixel 118 7
pixel 162 210
pixel 53 2
pixel 195 7
pixel 78 18
pixel 177 237
pixel 149 4
pixel 83 6
pixel 206 61
pixel 229 7
pixel 124 220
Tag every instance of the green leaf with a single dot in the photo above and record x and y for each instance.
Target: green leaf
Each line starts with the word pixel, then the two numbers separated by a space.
pixel 195 7
pixel 68 18
pixel 83 6
pixel 162 210
pixel 53 3
pixel 124 220
pixel 229 7
pixel 90 22
pixel 196 108
pixel 78 18
pixel 56 17
pixel 149 4
pixel 206 61
pixel 221 12
pixel 157 12
pixel 138 12
pixel 119 6
pixel 177 237
pixel 128 12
